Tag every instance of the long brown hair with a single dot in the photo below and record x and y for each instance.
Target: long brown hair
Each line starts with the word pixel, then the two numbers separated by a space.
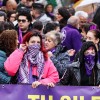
pixel 8 40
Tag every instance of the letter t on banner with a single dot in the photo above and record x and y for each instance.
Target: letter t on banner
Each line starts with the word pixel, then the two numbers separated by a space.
pixel 33 97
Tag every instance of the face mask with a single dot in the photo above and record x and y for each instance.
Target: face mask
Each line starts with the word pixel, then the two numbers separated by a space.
pixel 35 48
pixel 89 63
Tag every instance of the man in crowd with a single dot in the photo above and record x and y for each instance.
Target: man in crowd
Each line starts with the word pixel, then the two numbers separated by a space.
pixel 24 24
pixel 72 39
pixel 38 13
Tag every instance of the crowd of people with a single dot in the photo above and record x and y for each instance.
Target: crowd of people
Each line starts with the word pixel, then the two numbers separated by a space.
pixel 40 46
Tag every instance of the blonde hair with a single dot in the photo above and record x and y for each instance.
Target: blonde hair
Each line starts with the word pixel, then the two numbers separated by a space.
pixel 55 36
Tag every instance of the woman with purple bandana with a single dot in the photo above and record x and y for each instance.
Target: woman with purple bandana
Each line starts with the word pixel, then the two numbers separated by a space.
pixel 86 71
pixel 31 62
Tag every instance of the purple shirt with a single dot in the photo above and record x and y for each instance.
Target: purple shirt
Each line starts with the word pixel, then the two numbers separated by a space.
pixel 72 38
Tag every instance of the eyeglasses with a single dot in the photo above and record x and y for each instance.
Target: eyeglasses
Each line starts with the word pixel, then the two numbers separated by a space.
pixel 23 20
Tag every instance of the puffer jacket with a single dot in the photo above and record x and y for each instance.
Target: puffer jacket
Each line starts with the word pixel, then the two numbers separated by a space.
pixel 4 77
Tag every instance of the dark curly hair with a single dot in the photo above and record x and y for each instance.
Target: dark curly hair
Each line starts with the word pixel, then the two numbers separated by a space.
pixel 25 13
pixel 8 41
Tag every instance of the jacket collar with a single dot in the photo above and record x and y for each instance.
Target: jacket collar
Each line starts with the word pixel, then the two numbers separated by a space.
pixel 70 26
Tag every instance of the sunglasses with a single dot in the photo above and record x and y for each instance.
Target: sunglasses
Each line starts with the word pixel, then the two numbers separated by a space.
pixel 23 20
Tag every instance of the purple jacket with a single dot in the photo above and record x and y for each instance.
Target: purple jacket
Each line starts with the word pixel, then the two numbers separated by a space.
pixel 72 38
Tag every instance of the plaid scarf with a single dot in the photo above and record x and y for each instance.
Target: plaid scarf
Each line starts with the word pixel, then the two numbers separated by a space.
pixel 35 57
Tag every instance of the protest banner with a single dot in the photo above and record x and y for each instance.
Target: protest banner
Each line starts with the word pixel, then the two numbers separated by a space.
pixel 26 92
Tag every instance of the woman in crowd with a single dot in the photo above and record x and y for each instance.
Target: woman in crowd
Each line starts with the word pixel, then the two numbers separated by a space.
pixel 57 53
pixel 86 27
pixel 62 16
pixel 31 62
pixel 86 71
pixel 11 16
pixel 8 43
pixel 49 11
pixel 94 36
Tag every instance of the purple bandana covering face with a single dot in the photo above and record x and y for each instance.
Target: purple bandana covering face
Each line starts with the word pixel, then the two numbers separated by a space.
pixel 33 50
pixel 36 59
pixel 89 63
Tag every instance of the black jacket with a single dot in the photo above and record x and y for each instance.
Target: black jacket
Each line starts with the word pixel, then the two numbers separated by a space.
pixel 29 29
pixel 60 59
pixel 72 75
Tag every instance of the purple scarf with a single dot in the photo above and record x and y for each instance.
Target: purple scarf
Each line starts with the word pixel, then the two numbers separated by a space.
pixel 35 57
pixel 1 3
pixel 20 38
pixel 53 50
pixel 89 63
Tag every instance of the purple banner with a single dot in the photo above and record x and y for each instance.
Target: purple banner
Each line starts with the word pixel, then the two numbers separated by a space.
pixel 26 92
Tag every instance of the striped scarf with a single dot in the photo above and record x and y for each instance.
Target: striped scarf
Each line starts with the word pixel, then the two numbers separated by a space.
pixel 35 57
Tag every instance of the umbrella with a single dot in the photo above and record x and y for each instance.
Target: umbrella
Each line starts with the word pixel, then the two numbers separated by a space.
pixel 87 5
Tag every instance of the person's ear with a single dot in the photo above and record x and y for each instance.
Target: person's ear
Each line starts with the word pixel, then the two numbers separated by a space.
pixel 97 41
pixel 26 43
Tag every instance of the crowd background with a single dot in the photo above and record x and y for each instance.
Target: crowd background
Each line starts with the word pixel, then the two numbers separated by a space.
pixel 49 43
